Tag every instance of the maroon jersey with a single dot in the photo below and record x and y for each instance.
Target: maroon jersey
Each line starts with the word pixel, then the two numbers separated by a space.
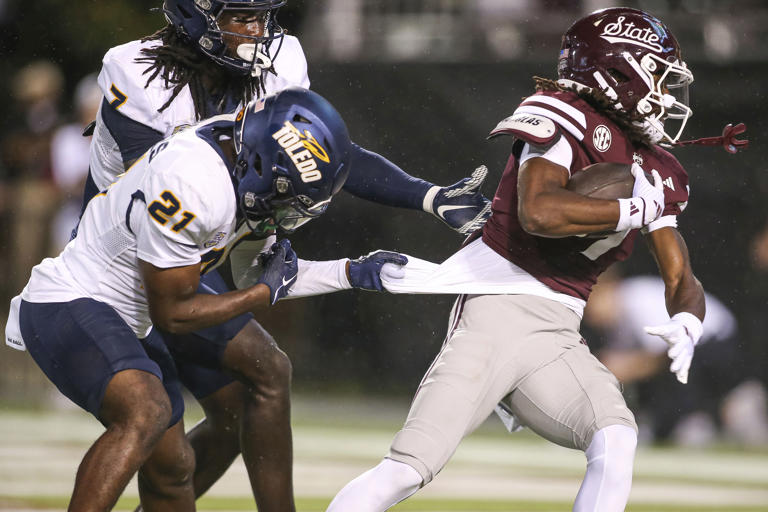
pixel 571 265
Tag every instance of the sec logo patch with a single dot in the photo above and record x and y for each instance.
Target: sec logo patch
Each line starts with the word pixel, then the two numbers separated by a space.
pixel 601 138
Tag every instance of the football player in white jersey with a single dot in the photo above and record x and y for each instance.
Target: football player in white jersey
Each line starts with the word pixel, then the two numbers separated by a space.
pixel 87 316
pixel 213 55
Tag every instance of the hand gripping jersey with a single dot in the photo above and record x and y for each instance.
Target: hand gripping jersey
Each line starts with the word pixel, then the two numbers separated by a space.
pixel 130 120
pixel 174 207
pixel 571 265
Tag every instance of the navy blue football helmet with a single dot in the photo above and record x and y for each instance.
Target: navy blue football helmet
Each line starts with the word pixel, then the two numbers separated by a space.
pixel 198 22
pixel 293 152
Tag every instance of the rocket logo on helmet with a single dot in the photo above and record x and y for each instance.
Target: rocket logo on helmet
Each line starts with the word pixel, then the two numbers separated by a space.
pixel 301 147
pixel 282 171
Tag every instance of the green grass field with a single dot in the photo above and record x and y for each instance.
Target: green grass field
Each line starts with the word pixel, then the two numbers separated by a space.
pixel 336 439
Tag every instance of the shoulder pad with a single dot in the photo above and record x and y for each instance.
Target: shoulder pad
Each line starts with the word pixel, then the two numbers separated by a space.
pixel 122 81
pixel 531 128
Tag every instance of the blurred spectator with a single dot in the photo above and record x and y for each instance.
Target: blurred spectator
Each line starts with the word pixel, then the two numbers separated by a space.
pixel 723 397
pixel 69 160
pixel 31 195
pixel 760 250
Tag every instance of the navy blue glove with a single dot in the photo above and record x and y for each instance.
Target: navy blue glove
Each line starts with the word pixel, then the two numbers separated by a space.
pixel 280 266
pixel 461 205
pixel 365 271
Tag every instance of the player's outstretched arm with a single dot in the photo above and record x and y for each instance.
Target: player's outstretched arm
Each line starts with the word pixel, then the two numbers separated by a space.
pixel 684 299
pixel 317 277
pixel 175 305
pixel 461 205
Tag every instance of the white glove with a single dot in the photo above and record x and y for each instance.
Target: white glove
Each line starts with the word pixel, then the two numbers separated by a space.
pixel 646 203
pixel 682 332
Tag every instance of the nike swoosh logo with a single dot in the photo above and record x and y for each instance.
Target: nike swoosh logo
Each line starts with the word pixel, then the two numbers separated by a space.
pixel 446 208
pixel 285 283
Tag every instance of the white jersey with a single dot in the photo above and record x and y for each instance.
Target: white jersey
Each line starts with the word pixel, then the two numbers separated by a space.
pixel 475 269
pixel 123 80
pixel 640 302
pixel 174 207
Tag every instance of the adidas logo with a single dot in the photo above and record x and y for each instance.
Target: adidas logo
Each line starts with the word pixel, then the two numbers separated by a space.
pixel 668 183
pixel 633 209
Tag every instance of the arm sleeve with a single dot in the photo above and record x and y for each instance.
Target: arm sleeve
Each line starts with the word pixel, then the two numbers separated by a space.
pixel 314 277
pixel 320 277
pixel 373 177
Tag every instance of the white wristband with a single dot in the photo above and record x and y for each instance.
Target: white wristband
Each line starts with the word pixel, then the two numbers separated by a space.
pixel 626 210
pixel 691 323
pixel 429 198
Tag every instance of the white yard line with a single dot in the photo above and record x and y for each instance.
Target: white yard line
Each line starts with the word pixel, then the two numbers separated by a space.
pixel 39 454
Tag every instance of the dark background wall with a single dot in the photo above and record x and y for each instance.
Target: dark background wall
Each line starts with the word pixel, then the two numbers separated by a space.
pixel 432 119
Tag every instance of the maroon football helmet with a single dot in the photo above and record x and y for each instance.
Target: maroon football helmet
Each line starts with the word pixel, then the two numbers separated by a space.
pixel 634 59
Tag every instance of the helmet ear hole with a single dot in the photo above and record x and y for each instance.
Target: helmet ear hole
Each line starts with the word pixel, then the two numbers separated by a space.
pixel 617 75
pixel 257 164
pixel 298 118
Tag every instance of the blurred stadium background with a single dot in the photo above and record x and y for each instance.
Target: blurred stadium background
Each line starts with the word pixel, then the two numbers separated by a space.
pixel 421 82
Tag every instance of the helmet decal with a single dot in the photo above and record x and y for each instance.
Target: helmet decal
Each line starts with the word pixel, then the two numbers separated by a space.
pixel 292 155
pixel 302 148
pixel 635 60
pixel 621 32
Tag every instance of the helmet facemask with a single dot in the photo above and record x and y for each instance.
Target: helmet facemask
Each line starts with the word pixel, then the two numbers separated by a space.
pixel 201 22
pixel 250 57
pixel 667 97
pixel 281 208
pixel 292 210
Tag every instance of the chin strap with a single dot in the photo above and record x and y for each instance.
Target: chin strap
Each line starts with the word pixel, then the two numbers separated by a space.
pixel 728 139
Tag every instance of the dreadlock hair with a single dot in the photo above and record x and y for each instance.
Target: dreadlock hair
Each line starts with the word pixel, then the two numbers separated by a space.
pixel 628 123
pixel 179 63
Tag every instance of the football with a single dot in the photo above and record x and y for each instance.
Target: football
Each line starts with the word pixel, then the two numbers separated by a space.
pixel 604 181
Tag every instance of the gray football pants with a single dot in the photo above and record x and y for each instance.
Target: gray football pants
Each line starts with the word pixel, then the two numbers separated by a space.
pixel 521 350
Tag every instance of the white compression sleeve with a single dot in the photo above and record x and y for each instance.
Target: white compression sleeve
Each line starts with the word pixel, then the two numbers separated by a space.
pixel 608 479
pixel 319 277
pixel 377 489
pixel 314 277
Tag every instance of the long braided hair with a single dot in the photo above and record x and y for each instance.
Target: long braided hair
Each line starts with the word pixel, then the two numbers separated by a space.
pixel 179 63
pixel 629 124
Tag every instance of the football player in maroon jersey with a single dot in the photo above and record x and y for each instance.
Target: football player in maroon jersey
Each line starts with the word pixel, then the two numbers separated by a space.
pixel 622 82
